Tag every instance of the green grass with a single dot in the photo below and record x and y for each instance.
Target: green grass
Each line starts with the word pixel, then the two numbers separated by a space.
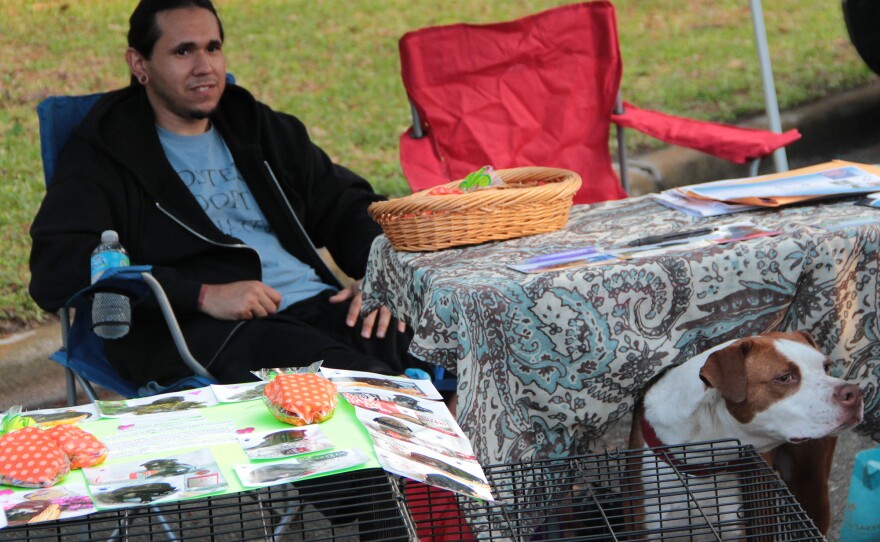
pixel 335 65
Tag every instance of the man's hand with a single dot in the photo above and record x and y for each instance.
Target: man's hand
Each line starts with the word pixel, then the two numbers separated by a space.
pixel 243 300
pixel 379 319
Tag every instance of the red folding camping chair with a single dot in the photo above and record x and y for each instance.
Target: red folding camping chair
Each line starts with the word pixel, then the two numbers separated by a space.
pixel 538 91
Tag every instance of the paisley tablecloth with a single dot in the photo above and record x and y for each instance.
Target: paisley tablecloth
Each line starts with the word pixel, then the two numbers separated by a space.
pixel 548 362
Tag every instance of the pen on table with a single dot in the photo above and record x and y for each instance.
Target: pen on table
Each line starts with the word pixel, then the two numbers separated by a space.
pixel 655 239
pixel 557 256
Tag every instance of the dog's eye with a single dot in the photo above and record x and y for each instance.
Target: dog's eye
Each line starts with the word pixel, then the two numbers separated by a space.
pixel 786 378
pixel 827 367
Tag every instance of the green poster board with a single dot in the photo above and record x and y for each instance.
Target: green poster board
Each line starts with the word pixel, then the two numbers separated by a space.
pixel 343 429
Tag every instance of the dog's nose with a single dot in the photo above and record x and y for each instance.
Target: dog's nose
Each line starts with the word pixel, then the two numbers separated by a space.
pixel 848 394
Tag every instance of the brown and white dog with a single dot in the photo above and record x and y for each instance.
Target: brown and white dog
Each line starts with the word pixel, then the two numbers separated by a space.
pixel 771 391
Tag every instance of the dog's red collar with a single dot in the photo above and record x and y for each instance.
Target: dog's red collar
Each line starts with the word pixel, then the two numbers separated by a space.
pixel 650 436
pixel 697 470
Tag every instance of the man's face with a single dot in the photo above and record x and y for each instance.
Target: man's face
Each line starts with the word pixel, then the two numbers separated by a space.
pixel 187 71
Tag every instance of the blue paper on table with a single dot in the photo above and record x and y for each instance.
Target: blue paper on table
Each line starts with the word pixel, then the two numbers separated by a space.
pixel 870 200
pixel 563 260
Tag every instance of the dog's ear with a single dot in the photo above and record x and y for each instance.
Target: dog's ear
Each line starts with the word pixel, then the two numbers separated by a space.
pixel 725 370
pixel 809 338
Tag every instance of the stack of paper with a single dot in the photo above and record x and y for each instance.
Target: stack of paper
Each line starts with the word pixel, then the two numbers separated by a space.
pixel 836 178
pixel 414 434
pixel 699 207
pixel 831 179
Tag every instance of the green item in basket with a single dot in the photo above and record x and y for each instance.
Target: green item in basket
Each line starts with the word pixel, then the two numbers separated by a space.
pixel 482 178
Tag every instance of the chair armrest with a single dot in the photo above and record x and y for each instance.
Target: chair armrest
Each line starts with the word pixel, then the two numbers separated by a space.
pixel 120 280
pixel 137 283
pixel 734 143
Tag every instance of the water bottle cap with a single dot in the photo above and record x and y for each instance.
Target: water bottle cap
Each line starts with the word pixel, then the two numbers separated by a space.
pixel 109 236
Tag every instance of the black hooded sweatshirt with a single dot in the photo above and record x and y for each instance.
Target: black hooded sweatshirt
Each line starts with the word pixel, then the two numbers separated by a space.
pixel 113 174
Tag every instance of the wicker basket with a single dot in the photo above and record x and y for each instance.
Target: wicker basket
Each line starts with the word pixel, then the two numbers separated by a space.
pixel 532 200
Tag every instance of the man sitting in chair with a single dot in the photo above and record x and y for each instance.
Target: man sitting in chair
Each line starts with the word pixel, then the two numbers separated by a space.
pixel 226 199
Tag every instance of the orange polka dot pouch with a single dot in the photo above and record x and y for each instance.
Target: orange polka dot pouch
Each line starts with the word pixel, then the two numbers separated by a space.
pixel 29 457
pixel 81 447
pixel 300 398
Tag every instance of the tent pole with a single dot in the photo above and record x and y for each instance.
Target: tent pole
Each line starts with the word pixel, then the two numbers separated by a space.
pixel 779 157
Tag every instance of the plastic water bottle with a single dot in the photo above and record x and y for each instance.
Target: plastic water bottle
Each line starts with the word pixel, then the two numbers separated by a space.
pixel 111 312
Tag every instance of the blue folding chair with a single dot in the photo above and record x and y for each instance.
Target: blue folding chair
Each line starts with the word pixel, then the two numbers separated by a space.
pixel 442 380
pixel 82 352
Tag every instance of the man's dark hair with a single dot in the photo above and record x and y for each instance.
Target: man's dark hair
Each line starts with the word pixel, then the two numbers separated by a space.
pixel 143 32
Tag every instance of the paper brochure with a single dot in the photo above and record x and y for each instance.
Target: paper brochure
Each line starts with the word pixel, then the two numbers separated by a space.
pixel 35 505
pixel 700 208
pixel 235 393
pixel 397 384
pixel 167 477
pixel 284 443
pixel 832 179
pixel 54 416
pixel 414 436
pixel 158 404
pixel 281 472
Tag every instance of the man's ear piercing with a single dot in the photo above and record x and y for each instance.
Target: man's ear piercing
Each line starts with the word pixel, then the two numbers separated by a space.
pixel 143 79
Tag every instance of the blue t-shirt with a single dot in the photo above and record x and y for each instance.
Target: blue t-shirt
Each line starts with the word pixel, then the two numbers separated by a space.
pixel 206 167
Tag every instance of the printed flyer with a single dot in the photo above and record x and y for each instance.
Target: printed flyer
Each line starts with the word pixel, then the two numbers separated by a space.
pixel 45 504
pixel 424 413
pixel 284 443
pixel 346 380
pixel 55 416
pixel 281 472
pixel 172 477
pixel 414 436
pixel 236 393
pixel 158 404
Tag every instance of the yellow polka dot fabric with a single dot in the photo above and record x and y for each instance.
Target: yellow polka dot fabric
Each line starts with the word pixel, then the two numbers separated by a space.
pixel 300 399
pixel 81 447
pixel 31 458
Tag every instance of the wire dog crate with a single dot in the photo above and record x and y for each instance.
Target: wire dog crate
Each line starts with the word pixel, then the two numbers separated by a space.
pixel 355 506
pixel 708 491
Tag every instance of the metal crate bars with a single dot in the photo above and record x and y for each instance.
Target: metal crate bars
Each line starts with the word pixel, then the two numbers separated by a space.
pixel 715 491
pixel 710 491
pixel 353 507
